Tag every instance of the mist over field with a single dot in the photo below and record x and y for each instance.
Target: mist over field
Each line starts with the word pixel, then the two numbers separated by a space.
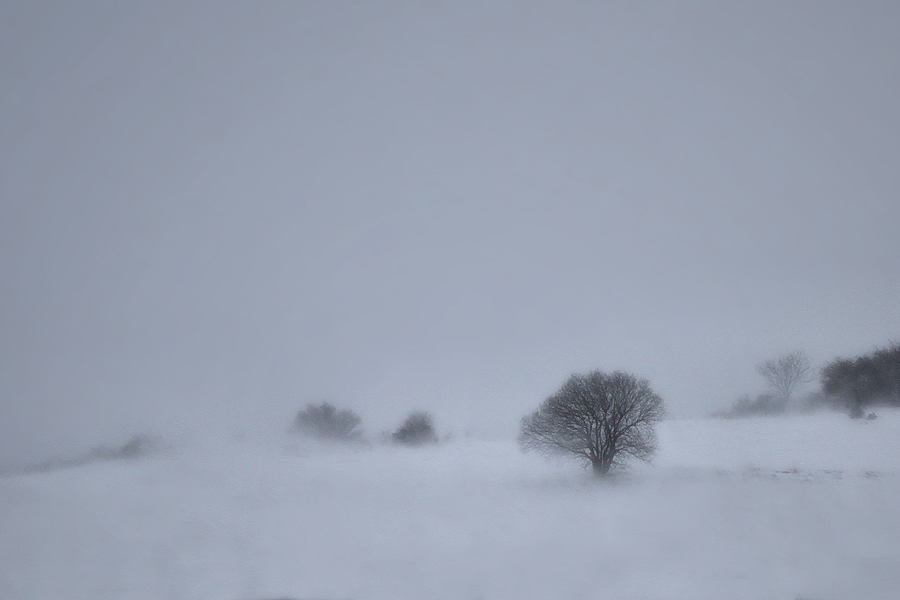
pixel 782 508
pixel 214 215
pixel 419 221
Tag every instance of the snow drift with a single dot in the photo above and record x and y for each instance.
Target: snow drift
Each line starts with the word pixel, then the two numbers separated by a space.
pixel 798 507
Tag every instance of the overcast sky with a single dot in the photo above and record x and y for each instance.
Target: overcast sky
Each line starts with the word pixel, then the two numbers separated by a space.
pixel 212 214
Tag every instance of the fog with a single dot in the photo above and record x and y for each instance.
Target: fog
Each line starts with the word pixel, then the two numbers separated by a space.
pixel 213 215
pixel 802 506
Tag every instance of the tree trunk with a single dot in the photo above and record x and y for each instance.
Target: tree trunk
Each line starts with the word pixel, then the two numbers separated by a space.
pixel 600 467
pixel 856 410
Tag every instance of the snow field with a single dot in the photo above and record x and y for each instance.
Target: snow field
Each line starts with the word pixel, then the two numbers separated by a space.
pixel 800 507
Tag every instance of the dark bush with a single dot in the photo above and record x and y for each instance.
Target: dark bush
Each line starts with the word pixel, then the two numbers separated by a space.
pixel 866 380
pixel 418 429
pixel 328 423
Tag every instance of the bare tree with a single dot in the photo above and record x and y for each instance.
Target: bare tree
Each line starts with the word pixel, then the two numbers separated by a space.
pixel 599 417
pixel 326 422
pixel 784 375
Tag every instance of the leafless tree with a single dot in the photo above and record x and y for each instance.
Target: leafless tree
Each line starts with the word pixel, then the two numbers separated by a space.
pixel 600 417
pixel 785 374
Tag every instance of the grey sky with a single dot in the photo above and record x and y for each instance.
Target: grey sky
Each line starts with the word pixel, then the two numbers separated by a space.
pixel 213 214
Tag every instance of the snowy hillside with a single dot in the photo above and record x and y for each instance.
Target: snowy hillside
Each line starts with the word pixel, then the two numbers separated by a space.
pixel 801 507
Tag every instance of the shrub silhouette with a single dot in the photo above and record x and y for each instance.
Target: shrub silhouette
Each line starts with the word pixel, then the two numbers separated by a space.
pixel 864 381
pixel 328 423
pixel 418 429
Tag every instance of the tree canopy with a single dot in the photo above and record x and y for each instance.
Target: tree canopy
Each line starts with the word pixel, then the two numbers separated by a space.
pixel 784 375
pixel 602 418
pixel 865 380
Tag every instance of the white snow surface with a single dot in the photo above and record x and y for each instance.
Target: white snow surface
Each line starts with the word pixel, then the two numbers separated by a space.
pixel 804 507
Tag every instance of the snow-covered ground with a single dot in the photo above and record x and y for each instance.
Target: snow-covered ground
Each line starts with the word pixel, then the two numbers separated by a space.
pixel 763 509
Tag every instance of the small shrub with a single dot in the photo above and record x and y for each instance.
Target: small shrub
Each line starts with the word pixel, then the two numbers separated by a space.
pixel 418 429
pixel 138 445
pixel 328 423
pixel 763 404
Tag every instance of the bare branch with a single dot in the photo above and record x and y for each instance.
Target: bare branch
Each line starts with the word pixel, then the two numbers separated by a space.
pixel 601 417
pixel 785 374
